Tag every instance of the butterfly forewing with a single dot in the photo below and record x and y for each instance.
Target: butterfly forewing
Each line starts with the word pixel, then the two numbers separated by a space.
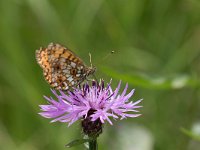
pixel 62 69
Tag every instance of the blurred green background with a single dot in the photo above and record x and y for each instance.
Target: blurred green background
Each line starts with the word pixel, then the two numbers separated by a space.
pixel 157 51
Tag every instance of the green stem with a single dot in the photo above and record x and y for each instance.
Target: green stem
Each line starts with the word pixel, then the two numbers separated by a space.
pixel 93 145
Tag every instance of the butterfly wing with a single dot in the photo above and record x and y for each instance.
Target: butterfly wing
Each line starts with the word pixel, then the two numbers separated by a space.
pixel 62 69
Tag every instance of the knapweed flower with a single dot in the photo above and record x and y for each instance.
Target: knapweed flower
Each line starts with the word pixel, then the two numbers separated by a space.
pixel 95 102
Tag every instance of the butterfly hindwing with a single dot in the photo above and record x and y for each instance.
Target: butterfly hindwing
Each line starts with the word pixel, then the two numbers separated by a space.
pixel 62 69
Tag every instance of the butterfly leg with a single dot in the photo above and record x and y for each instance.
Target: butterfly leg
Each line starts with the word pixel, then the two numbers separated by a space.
pixel 92 79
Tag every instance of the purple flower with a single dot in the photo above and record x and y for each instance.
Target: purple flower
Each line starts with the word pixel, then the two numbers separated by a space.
pixel 103 102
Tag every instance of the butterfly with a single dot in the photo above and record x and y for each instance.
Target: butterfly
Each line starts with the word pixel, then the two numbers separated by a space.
pixel 62 68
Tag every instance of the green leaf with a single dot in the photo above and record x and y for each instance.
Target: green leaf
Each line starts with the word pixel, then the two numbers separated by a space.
pixel 158 82
pixel 190 134
pixel 76 142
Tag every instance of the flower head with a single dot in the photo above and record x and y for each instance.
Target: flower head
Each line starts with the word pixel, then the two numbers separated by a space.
pixel 98 102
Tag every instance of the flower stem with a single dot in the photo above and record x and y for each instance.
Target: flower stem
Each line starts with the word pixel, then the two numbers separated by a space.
pixel 93 145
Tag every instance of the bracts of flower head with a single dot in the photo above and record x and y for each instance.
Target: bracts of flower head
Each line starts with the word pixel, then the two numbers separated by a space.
pixel 93 104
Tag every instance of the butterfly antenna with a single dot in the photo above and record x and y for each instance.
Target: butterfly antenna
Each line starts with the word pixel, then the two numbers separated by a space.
pixel 90 59
pixel 95 78
pixel 105 57
pixel 108 55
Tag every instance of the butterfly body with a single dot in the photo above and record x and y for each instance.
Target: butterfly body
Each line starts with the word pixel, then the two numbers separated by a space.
pixel 62 69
